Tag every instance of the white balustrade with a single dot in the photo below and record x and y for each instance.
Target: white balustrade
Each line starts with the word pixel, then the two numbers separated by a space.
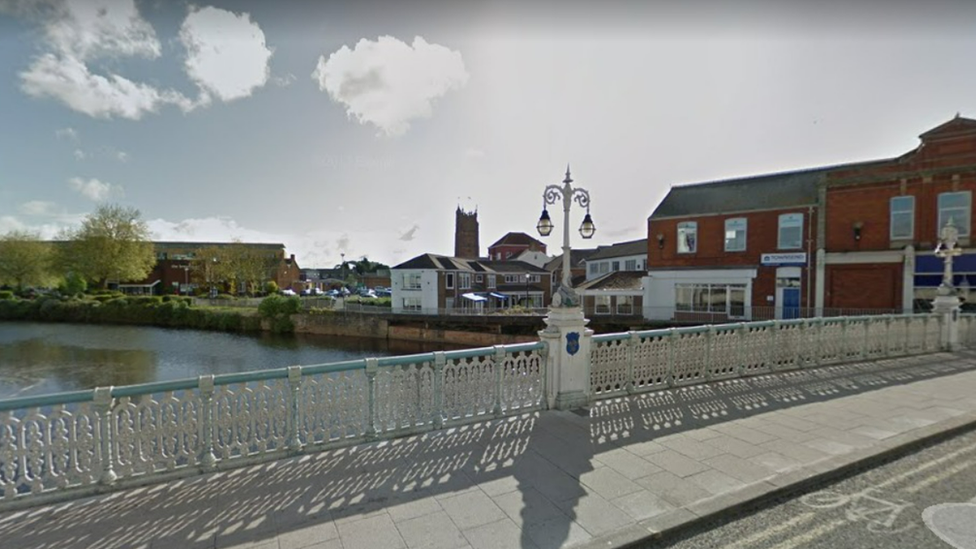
pixel 655 359
pixel 74 444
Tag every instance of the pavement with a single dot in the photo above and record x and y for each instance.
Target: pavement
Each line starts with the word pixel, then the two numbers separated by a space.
pixel 926 499
pixel 622 471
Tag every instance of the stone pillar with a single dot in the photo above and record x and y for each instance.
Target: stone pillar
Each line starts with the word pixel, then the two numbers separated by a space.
pixel 568 359
pixel 820 282
pixel 948 307
pixel 908 281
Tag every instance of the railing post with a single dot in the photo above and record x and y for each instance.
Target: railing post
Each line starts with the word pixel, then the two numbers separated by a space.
pixel 709 339
pixel 440 359
pixel 498 368
pixel 887 337
pixel 740 346
pixel 207 457
pixel 672 343
pixel 818 359
pixel 372 367
pixel 865 349
pixel 632 341
pixel 294 419
pixel 102 401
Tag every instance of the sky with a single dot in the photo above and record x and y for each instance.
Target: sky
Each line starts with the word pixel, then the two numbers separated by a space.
pixel 358 128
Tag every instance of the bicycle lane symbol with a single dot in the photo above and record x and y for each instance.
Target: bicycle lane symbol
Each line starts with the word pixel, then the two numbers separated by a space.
pixel 878 513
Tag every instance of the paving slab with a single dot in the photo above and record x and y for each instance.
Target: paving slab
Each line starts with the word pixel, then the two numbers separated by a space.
pixel 618 471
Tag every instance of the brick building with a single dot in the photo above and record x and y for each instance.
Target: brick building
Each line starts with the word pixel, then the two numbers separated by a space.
pixel 733 249
pixel 833 240
pixel 466 234
pixel 512 245
pixel 884 217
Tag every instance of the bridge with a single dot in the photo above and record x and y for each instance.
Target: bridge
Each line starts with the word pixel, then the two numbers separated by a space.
pixel 555 443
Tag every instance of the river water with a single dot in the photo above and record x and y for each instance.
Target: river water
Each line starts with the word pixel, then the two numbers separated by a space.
pixel 41 358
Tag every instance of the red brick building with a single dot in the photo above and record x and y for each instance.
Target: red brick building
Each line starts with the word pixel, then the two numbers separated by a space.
pixel 839 239
pixel 884 218
pixel 512 245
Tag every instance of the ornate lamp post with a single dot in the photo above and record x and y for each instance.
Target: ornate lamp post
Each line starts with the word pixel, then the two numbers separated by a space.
pixel 566 297
pixel 946 301
pixel 566 336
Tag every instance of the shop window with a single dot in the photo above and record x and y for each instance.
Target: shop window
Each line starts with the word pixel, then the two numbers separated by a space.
pixel 735 234
pixel 790 231
pixel 957 207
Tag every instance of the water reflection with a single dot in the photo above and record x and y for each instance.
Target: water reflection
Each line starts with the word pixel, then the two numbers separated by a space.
pixel 39 358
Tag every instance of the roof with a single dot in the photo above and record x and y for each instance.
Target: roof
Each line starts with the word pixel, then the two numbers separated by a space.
pixel 444 263
pixel 576 258
pixel 773 191
pixel 198 245
pixel 516 239
pixel 618 280
pixel 953 128
pixel 620 249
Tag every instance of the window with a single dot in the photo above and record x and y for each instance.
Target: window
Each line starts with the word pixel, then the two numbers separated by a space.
pixel 532 278
pixel 449 303
pixel 630 265
pixel 790 231
pixel 955 206
pixel 615 266
pixel 735 234
pixel 594 268
pixel 601 304
pixel 625 305
pixel 491 281
pixel 604 267
pixel 478 278
pixel 687 237
pixel 711 298
pixel 464 281
pixel 902 217
pixel 449 281
pixel 411 303
pixel 511 279
pixel 411 281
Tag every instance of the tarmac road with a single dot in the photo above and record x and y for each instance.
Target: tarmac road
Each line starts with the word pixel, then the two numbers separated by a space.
pixel 885 507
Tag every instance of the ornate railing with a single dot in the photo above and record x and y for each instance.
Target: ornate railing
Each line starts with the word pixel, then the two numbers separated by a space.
pixel 634 362
pixel 967 330
pixel 70 444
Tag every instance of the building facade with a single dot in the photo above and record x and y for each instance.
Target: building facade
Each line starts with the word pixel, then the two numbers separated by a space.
pixel 624 256
pixel 733 249
pixel 883 221
pixel 433 284
pixel 466 234
pixel 512 245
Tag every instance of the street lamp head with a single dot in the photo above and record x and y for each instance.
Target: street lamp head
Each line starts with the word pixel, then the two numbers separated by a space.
pixel 587 229
pixel 545 224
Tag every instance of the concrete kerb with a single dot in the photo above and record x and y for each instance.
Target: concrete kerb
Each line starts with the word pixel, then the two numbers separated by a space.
pixel 758 495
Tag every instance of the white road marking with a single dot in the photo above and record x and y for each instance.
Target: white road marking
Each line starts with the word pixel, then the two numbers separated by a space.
pixel 768 533
pixel 811 535
pixel 925 466
pixel 928 481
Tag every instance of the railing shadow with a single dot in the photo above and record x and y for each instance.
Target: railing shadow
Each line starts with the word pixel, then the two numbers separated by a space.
pixel 533 462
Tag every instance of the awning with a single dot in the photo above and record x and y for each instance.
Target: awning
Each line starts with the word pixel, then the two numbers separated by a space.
pixel 474 297
pixel 498 295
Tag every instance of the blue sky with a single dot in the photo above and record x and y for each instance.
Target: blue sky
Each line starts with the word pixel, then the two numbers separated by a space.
pixel 358 127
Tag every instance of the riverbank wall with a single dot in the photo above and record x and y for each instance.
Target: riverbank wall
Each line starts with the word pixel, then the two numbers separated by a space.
pixel 383 327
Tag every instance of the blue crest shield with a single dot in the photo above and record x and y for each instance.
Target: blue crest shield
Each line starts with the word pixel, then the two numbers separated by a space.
pixel 572 343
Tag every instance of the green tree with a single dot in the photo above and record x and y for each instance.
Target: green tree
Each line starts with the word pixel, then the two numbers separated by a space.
pixel 25 260
pixel 112 244
pixel 248 266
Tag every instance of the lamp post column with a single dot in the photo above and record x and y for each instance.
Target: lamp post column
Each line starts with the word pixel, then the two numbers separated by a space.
pixel 566 336
pixel 946 302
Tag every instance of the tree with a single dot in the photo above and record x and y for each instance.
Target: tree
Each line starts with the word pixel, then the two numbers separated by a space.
pixel 113 243
pixel 210 267
pixel 364 266
pixel 25 260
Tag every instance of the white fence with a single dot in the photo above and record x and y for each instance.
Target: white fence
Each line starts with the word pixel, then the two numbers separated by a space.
pixel 83 441
pixel 650 360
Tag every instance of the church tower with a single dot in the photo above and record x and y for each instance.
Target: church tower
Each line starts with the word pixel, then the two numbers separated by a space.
pixel 466 234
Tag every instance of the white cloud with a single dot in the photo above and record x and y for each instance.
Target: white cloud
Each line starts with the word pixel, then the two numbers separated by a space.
pixel 95 190
pixel 283 81
pixel 39 208
pixel 226 53
pixel 66 133
pixel 79 32
pixel 474 153
pixel 122 156
pixel 79 154
pixel 388 83
pixel 10 223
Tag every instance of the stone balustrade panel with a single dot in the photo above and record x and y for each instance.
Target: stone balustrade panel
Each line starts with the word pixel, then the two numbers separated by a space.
pixel 522 377
pixel 652 362
pixel 404 397
pixel 469 388
pixel 333 407
pixel 608 367
pixel 690 357
pixel 723 352
pixel 756 351
pixel 151 435
pixel 250 418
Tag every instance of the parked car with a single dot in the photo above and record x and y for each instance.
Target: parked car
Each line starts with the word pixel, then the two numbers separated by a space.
pixel 288 292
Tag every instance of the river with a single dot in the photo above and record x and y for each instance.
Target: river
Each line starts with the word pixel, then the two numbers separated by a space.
pixel 42 358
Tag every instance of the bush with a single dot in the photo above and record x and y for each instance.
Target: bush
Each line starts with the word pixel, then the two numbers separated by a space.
pixel 73 284
pixel 271 287
pixel 6 294
pixel 225 296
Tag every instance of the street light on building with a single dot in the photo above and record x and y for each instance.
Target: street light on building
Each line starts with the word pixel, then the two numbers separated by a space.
pixel 566 296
